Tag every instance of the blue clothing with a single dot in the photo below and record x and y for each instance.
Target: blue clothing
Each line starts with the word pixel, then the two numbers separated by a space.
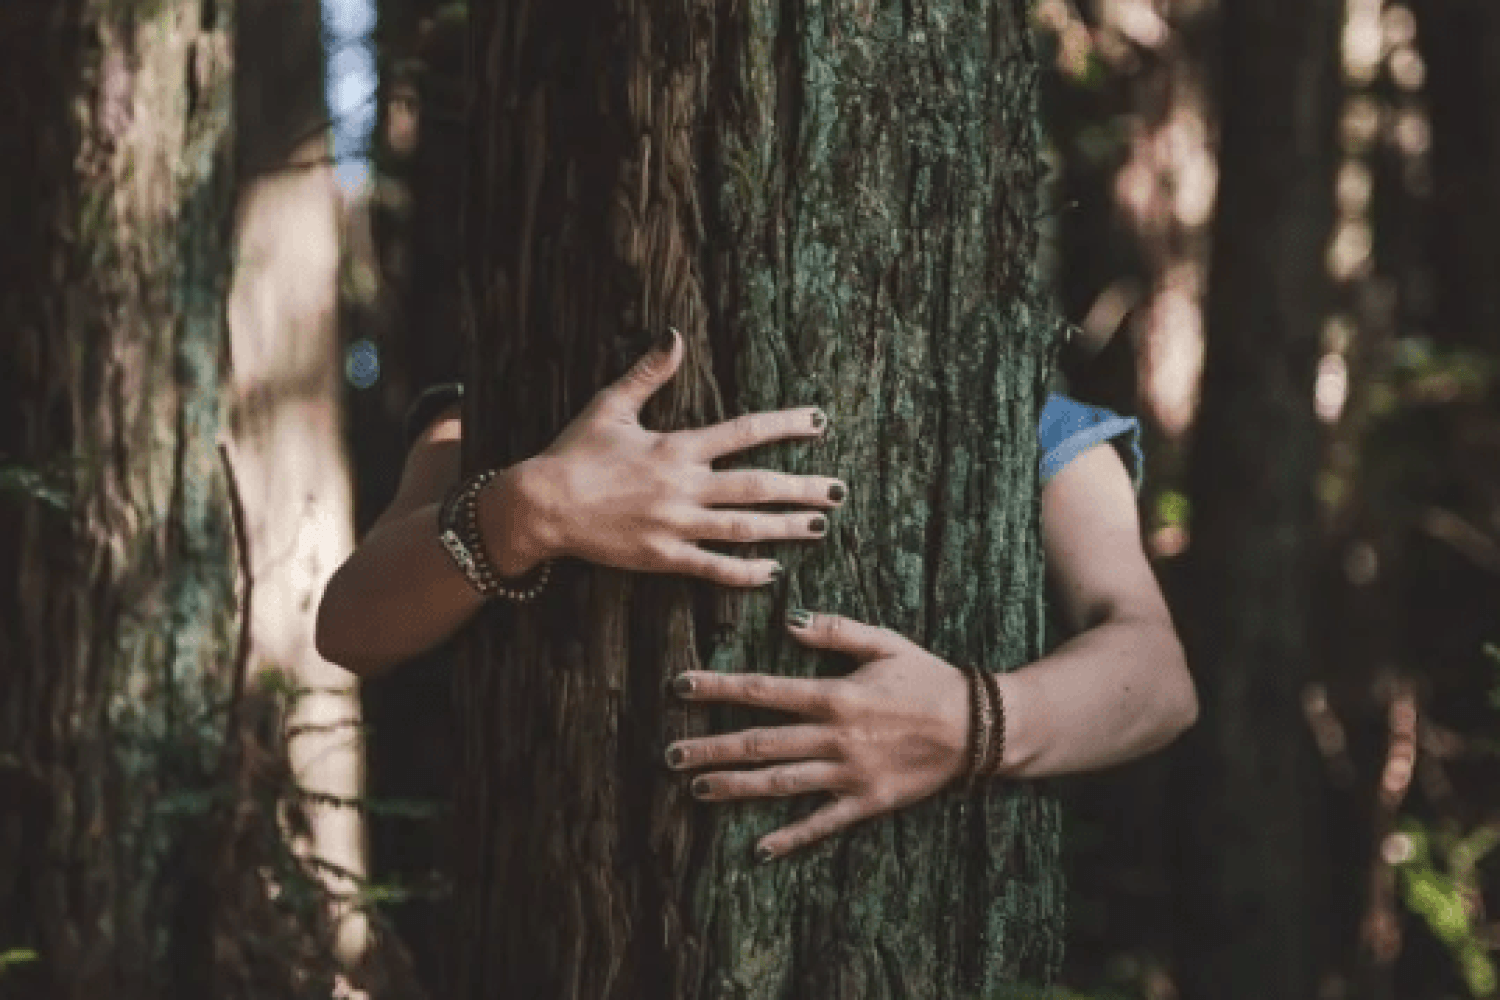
pixel 1068 428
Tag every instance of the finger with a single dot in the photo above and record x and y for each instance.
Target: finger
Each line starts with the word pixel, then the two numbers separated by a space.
pixel 750 487
pixel 751 526
pixel 840 814
pixel 844 635
pixel 780 781
pixel 753 430
pixel 754 746
pixel 812 696
pixel 728 571
pixel 646 376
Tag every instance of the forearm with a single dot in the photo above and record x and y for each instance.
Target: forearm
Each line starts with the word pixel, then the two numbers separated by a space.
pixel 1113 693
pixel 397 596
pixel 400 593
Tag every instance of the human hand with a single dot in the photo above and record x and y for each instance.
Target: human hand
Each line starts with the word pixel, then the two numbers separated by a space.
pixel 612 492
pixel 891 733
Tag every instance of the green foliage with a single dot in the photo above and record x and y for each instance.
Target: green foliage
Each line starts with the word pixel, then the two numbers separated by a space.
pixel 16 956
pixel 1445 895
pixel 1172 507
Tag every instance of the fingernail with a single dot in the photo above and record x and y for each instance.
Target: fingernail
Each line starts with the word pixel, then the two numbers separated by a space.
pixel 836 492
pixel 700 787
pixel 682 685
pixel 818 525
pixel 675 756
pixel 797 618
pixel 777 573
pixel 664 339
pixel 763 854
pixel 819 420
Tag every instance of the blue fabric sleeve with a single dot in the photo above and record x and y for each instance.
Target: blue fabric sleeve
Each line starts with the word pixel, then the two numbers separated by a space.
pixel 1068 428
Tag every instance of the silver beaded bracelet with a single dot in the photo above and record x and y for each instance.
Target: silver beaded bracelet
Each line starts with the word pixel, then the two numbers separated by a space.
pixel 458 529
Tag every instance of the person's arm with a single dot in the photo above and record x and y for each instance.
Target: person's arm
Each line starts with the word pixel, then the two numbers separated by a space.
pixel 607 490
pixel 1120 688
pixel 399 593
pixel 895 730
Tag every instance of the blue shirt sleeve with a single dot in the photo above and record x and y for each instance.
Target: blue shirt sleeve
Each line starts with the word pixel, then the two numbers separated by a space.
pixel 1068 428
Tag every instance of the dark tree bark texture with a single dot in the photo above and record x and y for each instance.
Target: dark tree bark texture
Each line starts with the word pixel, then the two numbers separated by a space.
pixel 117 600
pixel 1250 922
pixel 836 204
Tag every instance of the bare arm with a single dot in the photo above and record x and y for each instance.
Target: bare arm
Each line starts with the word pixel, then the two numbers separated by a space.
pixel 399 594
pixel 1120 688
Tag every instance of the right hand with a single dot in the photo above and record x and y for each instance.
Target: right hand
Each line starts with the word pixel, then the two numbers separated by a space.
pixel 612 492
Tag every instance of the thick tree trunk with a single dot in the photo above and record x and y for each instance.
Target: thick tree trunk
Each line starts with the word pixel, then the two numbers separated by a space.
pixel 117 601
pixel 1250 920
pixel 836 205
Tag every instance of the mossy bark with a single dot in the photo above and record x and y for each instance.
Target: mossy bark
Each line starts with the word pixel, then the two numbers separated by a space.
pixel 836 204
pixel 117 596
pixel 1251 920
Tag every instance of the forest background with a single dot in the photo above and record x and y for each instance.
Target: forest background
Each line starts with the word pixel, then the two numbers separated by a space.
pixel 1379 684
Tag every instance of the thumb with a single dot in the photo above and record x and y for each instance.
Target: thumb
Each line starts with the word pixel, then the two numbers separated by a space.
pixel 649 374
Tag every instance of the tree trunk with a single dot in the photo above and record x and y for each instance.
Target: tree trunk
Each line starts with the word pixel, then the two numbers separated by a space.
pixel 835 205
pixel 1460 42
pixel 117 586
pixel 1250 919
pixel 288 447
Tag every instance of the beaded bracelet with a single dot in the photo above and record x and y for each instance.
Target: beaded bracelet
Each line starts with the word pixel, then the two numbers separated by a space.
pixel 458 526
pixel 996 753
pixel 982 716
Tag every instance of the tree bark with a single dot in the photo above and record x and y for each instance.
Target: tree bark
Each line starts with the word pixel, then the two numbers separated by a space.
pixel 835 205
pixel 1250 918
pixel 117 585
pixel 1460 43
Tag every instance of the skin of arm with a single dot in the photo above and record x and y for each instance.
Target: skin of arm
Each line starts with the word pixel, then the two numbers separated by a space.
pixel 894 731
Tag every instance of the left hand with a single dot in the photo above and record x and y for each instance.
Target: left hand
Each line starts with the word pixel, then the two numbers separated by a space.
pixel 889 734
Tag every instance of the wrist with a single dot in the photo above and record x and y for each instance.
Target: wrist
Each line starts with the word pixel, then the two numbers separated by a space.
pixel 520 532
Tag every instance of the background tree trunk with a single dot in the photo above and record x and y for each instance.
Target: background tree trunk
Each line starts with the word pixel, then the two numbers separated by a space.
pixel 1251 919
pixel 117 600
pixel 836 205
pixel 1460 43
pixel 287 440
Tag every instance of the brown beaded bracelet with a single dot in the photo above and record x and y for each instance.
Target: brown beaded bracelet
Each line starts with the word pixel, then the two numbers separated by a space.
pixel 458 526
pixel 996 752
pixel 982 718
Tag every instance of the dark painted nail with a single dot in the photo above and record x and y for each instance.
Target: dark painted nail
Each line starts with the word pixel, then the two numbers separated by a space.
pixel 662 341
pixel 763 854
pixel 682 685
pixel 836 492
pixel 819 420
pixel 777 574
pixel 818 525
pixel 700 787
pixel 797 618
pixel 675 756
